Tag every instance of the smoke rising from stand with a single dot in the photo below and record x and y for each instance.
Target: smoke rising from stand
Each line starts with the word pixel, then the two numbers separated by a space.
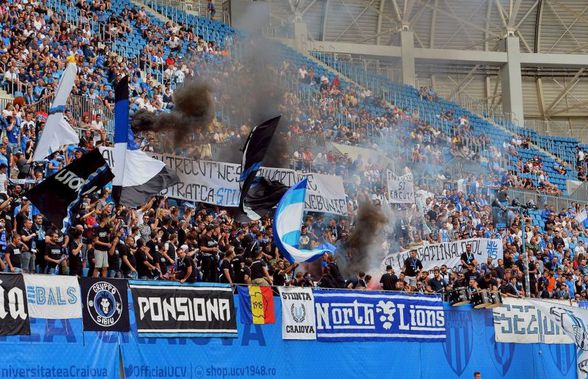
pixel 369 222
pixel 193 112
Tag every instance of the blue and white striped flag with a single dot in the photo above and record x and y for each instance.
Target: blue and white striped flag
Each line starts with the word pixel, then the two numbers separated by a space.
pixel 137 176
pixel 287 224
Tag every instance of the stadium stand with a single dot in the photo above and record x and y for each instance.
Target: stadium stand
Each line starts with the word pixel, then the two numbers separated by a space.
pixel 463 164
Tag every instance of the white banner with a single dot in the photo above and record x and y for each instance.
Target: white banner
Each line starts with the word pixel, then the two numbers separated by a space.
pixel 298 315
pixel 574 322
pixel 217 183
pixel 53 296
pixel 448 253
pixel 400 188
pixel 519 321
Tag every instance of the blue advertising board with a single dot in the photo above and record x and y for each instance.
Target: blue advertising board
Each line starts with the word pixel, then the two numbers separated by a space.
pixel 57 346
pixel 58 349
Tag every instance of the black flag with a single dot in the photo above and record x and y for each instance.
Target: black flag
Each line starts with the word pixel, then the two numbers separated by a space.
pixel 14 313
pixel 258 195
pixel 105 304
pixel 58 195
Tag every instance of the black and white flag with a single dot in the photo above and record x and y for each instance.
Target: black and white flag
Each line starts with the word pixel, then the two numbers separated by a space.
pixel 58 195
pixel 258 194
pixel 14 312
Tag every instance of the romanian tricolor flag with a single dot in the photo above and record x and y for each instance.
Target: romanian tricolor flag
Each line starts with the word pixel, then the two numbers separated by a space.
pixel 257 305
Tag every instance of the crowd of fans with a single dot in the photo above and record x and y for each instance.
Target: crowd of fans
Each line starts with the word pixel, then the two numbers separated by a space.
pixel 170 240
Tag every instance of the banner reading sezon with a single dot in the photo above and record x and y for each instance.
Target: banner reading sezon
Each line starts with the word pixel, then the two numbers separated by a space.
pixel 167 309
pixel 519 321
pixel 217 183
pixel 448 253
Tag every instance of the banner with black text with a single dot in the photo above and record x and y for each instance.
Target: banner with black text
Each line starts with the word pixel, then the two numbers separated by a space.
pixel 217 183
pixel 400 188
pixel 447 253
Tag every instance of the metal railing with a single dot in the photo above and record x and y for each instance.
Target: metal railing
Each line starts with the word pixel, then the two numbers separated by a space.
pixel 540 200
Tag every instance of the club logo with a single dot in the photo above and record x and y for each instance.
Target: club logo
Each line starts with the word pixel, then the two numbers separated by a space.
pixel 104 304
pixel 460 342
pixel 298 312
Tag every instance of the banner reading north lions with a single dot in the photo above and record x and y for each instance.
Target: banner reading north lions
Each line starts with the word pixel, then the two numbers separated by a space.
pixel 448 253
pixel 14 314
pixel 53 296
pixel 297 313
pixel 105 305
pixel 218 183
pixel 167 309
pixel 400 188
pixel 519 321
pixel 357 316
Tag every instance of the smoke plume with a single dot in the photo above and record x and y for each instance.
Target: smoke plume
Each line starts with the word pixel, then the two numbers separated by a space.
pixel 192 113
pixel 369 222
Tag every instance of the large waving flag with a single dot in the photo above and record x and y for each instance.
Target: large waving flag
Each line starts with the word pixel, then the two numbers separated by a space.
pixel 58 132
pixel 287 224
pixel 137 176
pixel 59 195
pixel 258 195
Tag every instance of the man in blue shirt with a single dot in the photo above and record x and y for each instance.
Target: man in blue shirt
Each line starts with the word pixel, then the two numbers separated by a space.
pixel 13 134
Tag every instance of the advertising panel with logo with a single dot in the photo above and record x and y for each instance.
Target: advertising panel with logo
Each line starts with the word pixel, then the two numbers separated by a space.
pixel 14 315
pixel 298 321
pixel 53 296
pixel 105 304
pixel 356 316
pixel 167 309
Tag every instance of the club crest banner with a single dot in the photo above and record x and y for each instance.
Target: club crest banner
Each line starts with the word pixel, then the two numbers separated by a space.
pixel 298 318
pixel 168 309
pixel 519 321
pixel 447 253
pixel 14 315
pixel 357 316
pixel 105 305
pixel 53 296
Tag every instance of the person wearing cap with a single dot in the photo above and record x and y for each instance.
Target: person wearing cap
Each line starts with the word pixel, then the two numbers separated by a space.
pixel 388 280
pixel 185 267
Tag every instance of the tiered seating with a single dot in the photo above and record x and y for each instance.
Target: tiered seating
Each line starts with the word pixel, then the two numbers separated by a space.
pixel 407 96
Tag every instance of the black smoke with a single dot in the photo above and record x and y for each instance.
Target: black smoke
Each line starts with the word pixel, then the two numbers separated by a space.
pixel 192 113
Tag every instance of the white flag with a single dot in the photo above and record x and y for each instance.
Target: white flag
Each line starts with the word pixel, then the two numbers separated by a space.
pixel 298 315
pixel 57 132
pixel 53 296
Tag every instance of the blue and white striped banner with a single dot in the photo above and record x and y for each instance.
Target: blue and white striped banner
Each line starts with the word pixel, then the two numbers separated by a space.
pixel 360 316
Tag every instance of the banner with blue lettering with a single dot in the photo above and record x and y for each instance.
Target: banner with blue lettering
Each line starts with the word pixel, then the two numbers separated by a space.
pixel 59 349
pixel 367 315
pixel 259 352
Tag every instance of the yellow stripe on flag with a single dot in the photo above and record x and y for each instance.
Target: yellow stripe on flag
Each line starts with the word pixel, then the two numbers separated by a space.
pixel 257 309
